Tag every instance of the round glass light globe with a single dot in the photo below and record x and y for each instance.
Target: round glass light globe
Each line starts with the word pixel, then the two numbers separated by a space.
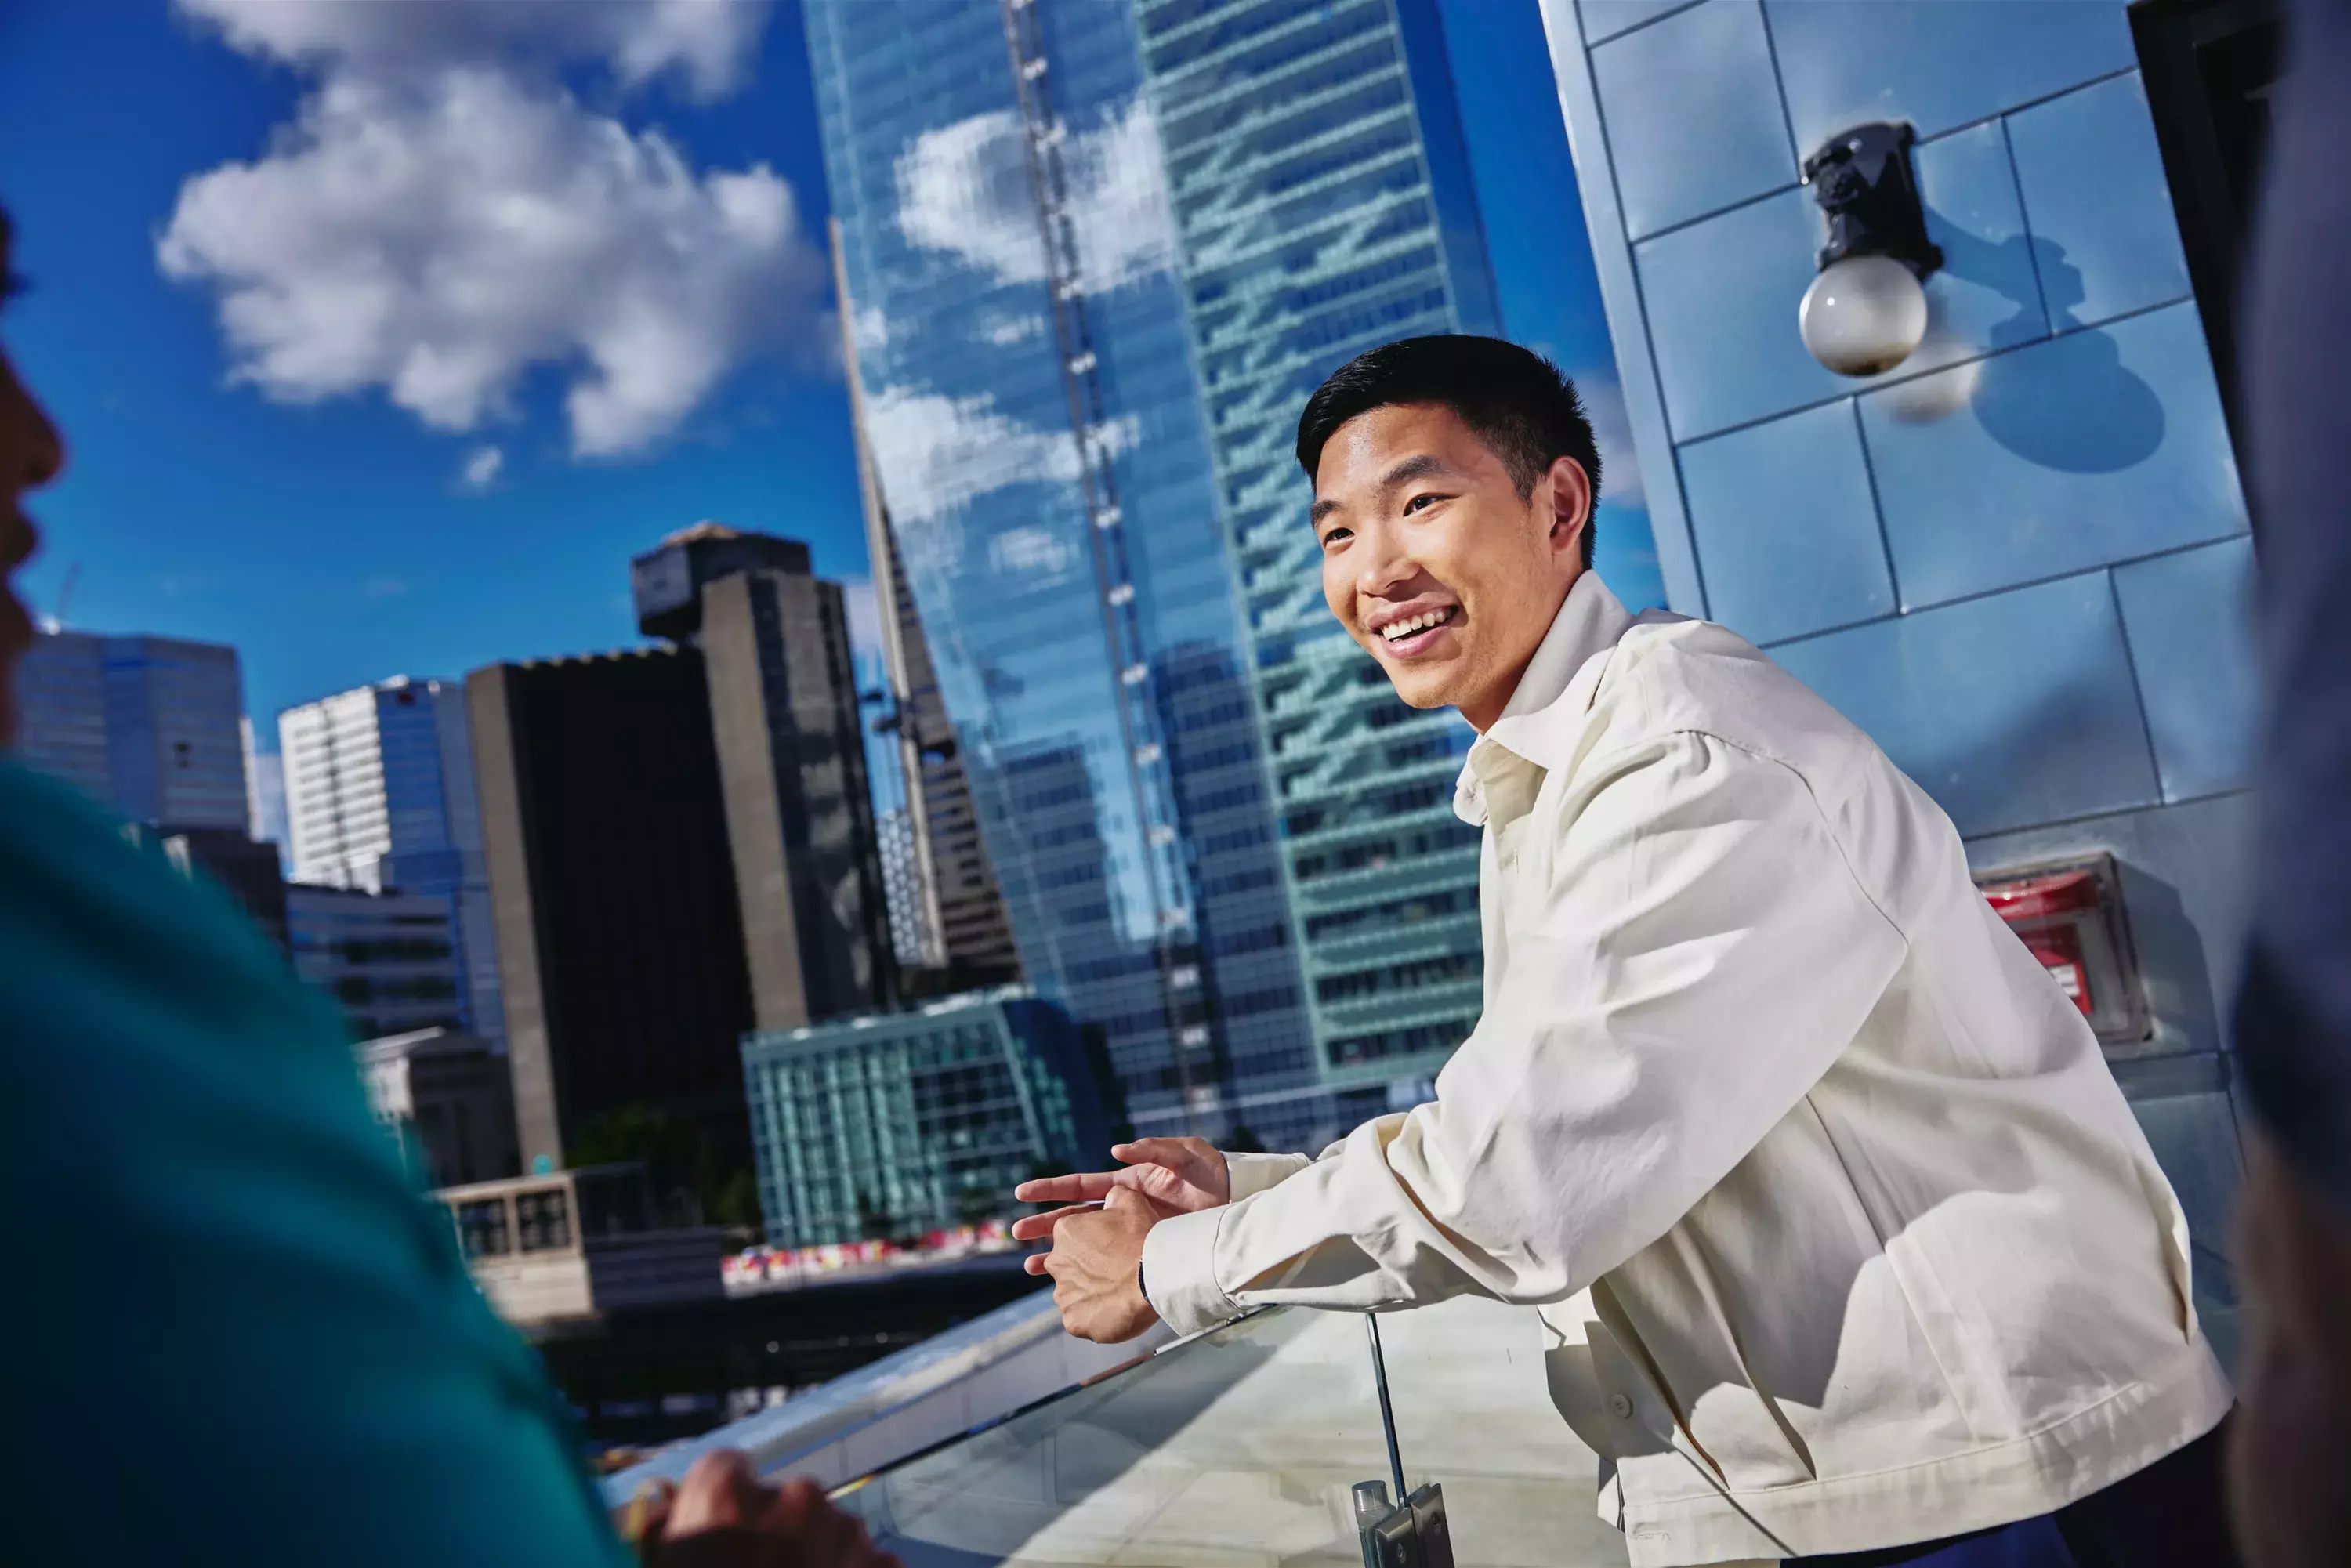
pixel 1863 315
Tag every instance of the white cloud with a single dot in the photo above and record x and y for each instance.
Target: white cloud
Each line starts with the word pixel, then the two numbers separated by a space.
pixel 707 42
pixel 965 189
pixel 482 467
pixel 442 217
pixel 438 238
pixel 1026 550
pixel 1612 432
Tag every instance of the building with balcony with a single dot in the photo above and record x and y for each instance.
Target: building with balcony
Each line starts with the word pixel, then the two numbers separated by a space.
pixel 557 1250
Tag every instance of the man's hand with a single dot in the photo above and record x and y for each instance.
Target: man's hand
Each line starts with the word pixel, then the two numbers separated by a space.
pixel 723 1516
pixel 1177 1175
pixel 1096 1263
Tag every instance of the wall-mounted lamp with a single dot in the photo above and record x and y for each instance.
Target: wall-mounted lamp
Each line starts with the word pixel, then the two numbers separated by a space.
pixel 1866 312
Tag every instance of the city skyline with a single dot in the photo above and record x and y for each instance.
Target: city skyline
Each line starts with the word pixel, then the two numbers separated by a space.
pixel 334 539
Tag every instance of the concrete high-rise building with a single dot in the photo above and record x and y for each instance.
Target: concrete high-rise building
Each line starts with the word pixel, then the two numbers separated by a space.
pixel 1095 256
pixel 619 935
pixel 148 725
pixel 773 640
pixel 389 959
pixel 379 793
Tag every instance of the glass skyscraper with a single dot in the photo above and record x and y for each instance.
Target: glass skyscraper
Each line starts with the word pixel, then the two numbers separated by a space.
pixel 1096 255
pixel 149 724
pixel 379 786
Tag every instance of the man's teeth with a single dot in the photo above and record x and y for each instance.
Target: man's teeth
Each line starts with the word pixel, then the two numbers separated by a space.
pixel 1398 631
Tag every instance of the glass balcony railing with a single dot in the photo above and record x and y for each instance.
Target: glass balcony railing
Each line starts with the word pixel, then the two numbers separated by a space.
pixel 1246 1446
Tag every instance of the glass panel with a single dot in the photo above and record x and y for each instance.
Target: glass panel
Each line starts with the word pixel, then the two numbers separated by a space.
pixel 1242 1446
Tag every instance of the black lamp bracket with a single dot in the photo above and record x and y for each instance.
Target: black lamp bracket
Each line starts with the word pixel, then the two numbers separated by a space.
pixel 1862 179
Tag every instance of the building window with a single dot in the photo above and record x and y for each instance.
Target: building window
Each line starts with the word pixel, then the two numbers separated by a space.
pixel 482 1226
pixel 544 1220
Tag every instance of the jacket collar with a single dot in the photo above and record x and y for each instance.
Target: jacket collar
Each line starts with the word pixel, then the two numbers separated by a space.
pixel 1507 763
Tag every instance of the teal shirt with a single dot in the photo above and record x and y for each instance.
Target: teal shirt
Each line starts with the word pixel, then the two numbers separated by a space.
pixel 231 1331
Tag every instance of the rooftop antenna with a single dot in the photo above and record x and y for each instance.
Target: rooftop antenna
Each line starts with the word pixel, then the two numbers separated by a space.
pixel 56 619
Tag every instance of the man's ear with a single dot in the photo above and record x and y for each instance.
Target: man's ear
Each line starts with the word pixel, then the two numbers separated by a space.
pixel 1569 489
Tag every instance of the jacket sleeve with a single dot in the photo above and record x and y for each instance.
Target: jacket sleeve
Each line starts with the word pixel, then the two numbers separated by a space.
pixel 1697 954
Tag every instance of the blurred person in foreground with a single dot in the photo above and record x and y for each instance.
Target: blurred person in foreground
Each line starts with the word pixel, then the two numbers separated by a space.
pixel 2291 1451
pixel 234 1330
pixel 1847 1246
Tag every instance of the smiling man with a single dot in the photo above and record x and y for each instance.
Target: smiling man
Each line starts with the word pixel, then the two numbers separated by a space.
pixel 1843 1239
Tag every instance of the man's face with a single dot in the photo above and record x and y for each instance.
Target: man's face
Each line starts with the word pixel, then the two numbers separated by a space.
pixel 30 456
pixel 1433 561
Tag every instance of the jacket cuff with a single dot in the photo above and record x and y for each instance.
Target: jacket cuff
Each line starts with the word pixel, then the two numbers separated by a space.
pixel 1251 1173
pixel 1179 1272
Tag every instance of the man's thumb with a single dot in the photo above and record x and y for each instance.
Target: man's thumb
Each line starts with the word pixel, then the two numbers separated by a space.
pixel 1125 1197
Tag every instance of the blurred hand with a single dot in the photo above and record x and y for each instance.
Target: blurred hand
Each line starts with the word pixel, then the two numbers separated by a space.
pixel 1097 1264
pixel 723 1516
pixel 1178 1175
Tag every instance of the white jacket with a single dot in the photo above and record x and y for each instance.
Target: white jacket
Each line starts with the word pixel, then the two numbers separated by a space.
pixel 1843 1233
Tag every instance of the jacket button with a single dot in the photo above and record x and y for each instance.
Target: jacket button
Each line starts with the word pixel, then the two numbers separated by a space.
pixel 1623 1404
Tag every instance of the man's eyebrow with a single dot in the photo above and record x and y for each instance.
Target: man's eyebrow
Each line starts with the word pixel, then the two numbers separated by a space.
pixel 1420 467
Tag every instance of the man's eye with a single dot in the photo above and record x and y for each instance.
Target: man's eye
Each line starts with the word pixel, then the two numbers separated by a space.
pixel 1335 536
pixel 1418 502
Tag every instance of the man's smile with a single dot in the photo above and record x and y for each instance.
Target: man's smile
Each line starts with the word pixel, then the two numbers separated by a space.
pixel 1409 631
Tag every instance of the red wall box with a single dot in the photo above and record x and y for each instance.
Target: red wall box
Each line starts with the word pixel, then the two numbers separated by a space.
pixel 2069 915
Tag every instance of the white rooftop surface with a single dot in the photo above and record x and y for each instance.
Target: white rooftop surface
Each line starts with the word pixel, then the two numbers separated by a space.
pixel 1241 1449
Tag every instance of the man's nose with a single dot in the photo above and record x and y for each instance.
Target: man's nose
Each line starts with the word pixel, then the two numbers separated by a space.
pixel 1384 564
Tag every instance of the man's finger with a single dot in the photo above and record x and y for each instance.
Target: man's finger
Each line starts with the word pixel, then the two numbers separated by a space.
pixel 1037 1226
pixel 1035 1262
pixel 721 1492
pixel 1176 1154
pixel 1087 1187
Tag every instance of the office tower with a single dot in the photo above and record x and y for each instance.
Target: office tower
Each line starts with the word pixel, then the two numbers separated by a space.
pixel 954 917
pixel 446 1097
pixel 389 959
pixel 891 1125
pixel 773 644
pixel 620 937
pixel 1095 258
pixel 379 793
pixel 148 725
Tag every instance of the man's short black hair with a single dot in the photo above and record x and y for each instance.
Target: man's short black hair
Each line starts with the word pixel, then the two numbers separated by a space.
pixel 1512 399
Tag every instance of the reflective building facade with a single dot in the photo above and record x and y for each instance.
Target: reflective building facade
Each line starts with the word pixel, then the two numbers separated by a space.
pixel 1096 255
pixel 379 787
pixel 148 725
pixel 897 1123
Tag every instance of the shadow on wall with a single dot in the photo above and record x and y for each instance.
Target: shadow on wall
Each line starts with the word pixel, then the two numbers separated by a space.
pixel 2085 414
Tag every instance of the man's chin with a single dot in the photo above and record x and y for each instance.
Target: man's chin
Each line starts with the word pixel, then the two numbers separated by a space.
pixel 1420 690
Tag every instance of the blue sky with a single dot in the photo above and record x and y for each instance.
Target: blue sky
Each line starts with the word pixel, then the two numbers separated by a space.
pixel 336 541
